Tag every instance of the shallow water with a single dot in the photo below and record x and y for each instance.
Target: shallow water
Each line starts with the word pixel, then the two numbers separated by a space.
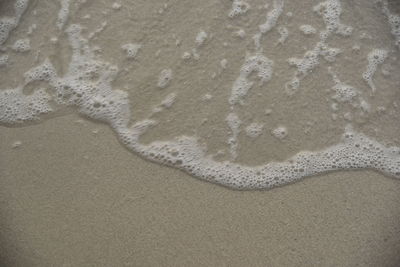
pixel 236 97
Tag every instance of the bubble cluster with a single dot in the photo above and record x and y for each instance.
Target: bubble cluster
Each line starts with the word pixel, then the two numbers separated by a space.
pixel 239 7
pixel 131 50
pixel 16 107
pixel 22 45
pixel 393 20
pixel 256 63
pixel 201 38
pixel 164 78
pixel 330 11
pixel 307 29
pixel 254 130
pixel 271 20
pixel 7 24
pixel 3 60
pixel 375 58
pixel 280 132
pixel 63 14
pixel 234 124
pixel 308 63
pixel 284 34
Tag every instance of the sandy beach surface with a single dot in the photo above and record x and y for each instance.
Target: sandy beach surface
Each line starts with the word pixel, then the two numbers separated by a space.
pixel 253 88
pixel 70 197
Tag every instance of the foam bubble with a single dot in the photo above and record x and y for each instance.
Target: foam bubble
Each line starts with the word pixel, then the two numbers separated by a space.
pixel 271 20
pixel 164 78
pixel 307 29
pixel 201 38
pixel 131 50
pixel 3 60
pixel 393 20
pixel 63 14
pixel 284 34
pixel 239 7
pixel 234 124
pixel 7 24
pixel 256 63
pixel 253 130
pixel 280 132
pixel 375 58
pixel 22 45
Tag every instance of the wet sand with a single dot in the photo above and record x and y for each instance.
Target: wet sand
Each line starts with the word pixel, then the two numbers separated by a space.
pixel 81 199
pixel 72 195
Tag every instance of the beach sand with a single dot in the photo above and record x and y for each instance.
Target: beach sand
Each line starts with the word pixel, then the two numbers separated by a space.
pixel 71 197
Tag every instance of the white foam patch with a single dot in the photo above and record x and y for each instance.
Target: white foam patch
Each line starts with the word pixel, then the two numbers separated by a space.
pixel 344 93
pixel 22 45
pixel 280 132
pixel 166 103
pixel 7 24
pixel 164 78
pixel 239 7
pixel 269 24
pixel 355 151
pixel 131 50
pixel 201 38
pixel 234 124
pixel 223 63
pixel 256 63
pixel 375 58
pixel 393 20
pixel 284 34
pixel 16 107
pixel 330 11
pixel 307 29
pixel 3 60
pixel 63 14
pixel 254 130
pixel 308 63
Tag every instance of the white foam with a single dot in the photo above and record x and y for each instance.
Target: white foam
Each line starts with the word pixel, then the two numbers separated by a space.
pixel 239 7
pixel 308 63
pixel 375 58
pixel 330 11
pixel 256 63
pixel 234 124
pixel 131 50
pixel 63 14
pixel 16 107
pixel 7 24
pixel 269 24
pixel 393 20
pixel 164 78
pixel 223 63
pixel 22 45
pixel 280 132
pixel 116 6
pixel 284 34
pixel 344 93
pixel 86 85
pixel 307 29
pixel 201 38
pixel 254 130
pixel 3 60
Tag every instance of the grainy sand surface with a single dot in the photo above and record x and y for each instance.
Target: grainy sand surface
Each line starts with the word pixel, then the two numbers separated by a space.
pixel 72 195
